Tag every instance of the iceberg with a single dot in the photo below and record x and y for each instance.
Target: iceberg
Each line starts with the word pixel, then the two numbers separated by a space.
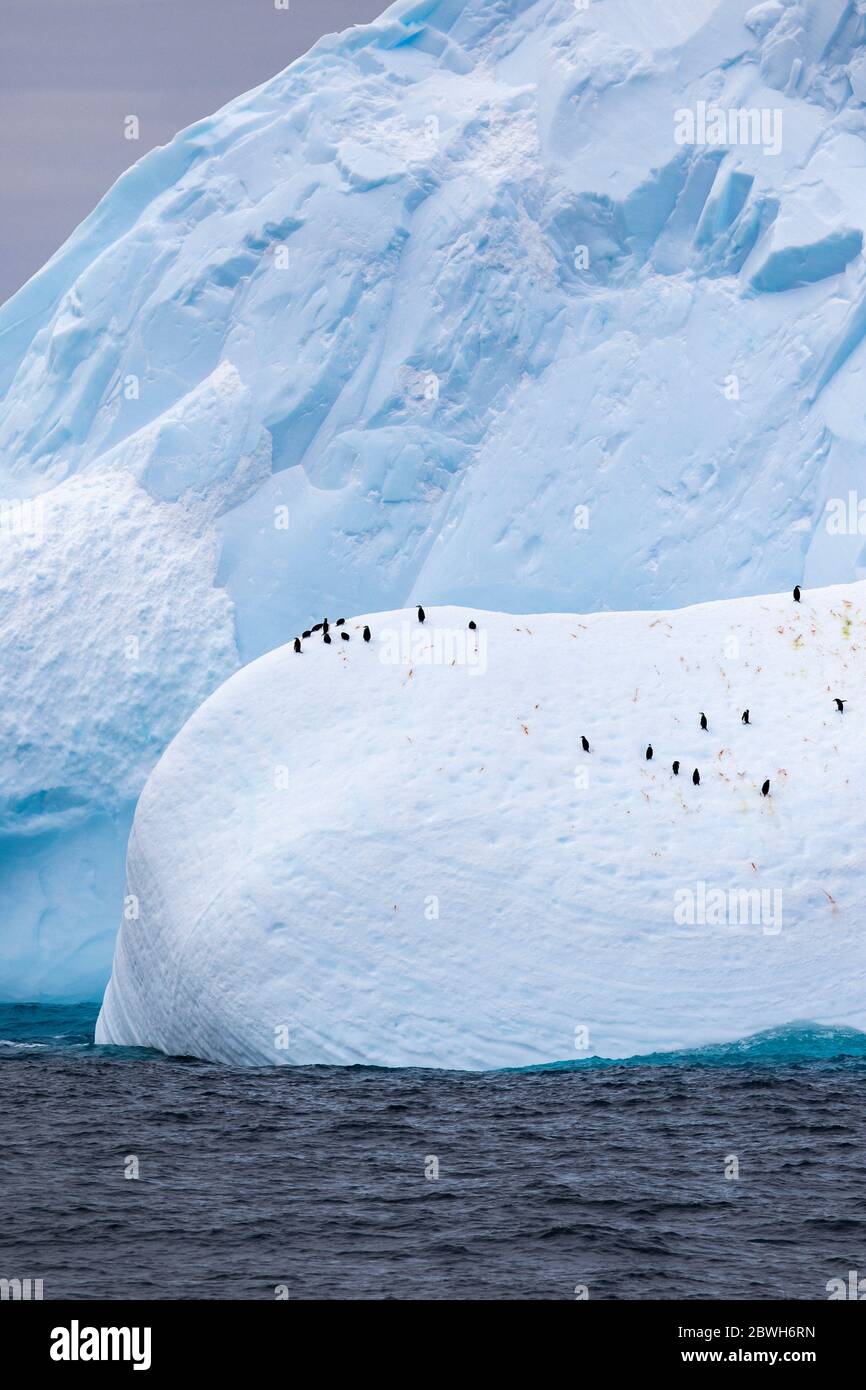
pixel 449 310
pixel 400 854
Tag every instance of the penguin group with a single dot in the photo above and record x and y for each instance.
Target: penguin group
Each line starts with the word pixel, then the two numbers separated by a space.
pixel 745 717
pixel 696 776
pixel 325 625
pixel 325 628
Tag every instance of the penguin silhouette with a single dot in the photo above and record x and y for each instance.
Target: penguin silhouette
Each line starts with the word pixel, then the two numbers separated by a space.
pixel 345 636
pixel 584 743
pixel 703 720
pixel 421 614
pixel 472 624
pixel 366 634
pixel 796 593
pixel 839 704
pixel 297 644
pixel 696 778
pixel 317 627
pixel 325 625
pixel 675 768
pixel 327 638
pixel 649 751
pixel 339 622
pixel 308 633
pixel 765 790
pixel 745 716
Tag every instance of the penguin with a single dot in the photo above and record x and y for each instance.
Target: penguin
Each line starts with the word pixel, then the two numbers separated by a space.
pixel 317 627
pixel 649 752
pixel 327 638
pixel 472 624
pixel 297 644
pixel 839 704
pixel 703 720
pixel 421 614
pixel 675 767
pixel 765 790
pixel 745 716
pixel 696 778
pixel 796 593
pixel 339 622
pixel 345 636
pixel 366 634
pixel 308 633
pixel 584 743
pixel 325 625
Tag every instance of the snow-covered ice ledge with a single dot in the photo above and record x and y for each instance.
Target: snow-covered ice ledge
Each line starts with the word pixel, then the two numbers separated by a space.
pixel 399 853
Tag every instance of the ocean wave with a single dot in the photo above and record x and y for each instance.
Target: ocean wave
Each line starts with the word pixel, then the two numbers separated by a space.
pixel 794 1042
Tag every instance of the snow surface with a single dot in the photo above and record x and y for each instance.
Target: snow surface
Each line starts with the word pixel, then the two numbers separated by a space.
pixel 398 853
pixel 331 349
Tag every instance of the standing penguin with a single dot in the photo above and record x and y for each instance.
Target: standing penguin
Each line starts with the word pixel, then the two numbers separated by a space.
pixel 745 716
pixel 366 634
pixel 325 625
pixel 584 743
pixel 703 720
pixel 696 778
pixel 840 704
pixel 297 644
pixel 649 752
pixel 421 614
pixel 796 593
pixel 675 767
pixel 765 790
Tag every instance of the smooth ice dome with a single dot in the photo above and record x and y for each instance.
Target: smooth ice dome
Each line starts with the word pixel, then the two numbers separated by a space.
pixel 398 853
pixel 444 310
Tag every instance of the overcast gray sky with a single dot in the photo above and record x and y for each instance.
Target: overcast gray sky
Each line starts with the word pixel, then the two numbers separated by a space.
pixel 70 70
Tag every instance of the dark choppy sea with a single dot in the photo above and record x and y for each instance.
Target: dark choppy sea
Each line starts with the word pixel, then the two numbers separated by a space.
pixel 322 1180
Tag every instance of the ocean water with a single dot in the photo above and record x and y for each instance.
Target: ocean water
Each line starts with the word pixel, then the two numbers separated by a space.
pixel 321 1183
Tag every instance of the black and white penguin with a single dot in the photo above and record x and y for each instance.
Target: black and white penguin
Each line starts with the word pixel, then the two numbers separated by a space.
pixel 584 743
pixel 745 716
pixel 421 614
pixel 696 778
pixel 765 790
pixel 339 622
pixel 703 720
pixel 297 644
pixel 675 767
pixel 649 752
pixel 840 704
pixel 796 593
pixel 366 634
pixel 325 625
